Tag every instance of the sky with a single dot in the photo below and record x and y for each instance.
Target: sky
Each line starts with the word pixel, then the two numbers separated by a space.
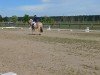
pixel 49 7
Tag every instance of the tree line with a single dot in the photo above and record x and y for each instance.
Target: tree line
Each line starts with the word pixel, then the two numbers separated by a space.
pixel 53 19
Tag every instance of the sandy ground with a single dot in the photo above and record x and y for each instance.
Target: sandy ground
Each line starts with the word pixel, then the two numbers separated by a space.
pixel 52 53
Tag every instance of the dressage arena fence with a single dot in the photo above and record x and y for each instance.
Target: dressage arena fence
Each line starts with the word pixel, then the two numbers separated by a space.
pixel 11 27
pixel 92 26
pixel 73 26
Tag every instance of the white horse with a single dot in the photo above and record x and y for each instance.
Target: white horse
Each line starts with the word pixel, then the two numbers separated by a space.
pixel 38 26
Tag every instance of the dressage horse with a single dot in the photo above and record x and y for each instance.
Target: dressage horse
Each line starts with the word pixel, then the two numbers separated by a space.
pixel 38 26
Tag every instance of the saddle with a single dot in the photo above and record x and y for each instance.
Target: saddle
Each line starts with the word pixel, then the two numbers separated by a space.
pixel 35 25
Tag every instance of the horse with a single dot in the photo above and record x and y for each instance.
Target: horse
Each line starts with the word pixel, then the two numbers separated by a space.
pixel 36 26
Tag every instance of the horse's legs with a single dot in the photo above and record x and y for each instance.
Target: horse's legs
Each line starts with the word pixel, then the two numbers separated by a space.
pixel 40 30
pixel 32 27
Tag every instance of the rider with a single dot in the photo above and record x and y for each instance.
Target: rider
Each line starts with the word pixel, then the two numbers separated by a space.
pixel 35 20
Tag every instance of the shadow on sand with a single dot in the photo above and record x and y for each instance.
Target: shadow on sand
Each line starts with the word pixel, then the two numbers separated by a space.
pixel 34 34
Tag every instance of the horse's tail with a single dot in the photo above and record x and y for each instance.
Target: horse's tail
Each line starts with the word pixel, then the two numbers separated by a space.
pixel 41 29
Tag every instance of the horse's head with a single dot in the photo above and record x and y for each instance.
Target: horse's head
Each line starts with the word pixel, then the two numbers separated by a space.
pixel 30 21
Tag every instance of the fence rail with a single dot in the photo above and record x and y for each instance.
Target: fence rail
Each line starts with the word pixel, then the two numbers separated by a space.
pixel 75 26
pixel 93 26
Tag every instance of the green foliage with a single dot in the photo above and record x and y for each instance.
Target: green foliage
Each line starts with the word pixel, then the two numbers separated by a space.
pixel 47 20
pixel 14 19
pixel 6 19
pixel 0 18
pixel 26 18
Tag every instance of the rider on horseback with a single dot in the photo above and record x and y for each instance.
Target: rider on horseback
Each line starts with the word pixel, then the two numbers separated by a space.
pixel 36 24
pixel 35 20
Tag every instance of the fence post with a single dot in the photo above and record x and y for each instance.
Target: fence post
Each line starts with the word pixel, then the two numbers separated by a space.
pixel 59 25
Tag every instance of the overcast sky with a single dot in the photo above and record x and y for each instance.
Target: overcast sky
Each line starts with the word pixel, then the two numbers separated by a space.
pixel 49 7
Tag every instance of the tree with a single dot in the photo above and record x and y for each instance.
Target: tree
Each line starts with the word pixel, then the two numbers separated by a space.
pixel 14 19
pixel 26 18
pixel 6 19
pixel 0 18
